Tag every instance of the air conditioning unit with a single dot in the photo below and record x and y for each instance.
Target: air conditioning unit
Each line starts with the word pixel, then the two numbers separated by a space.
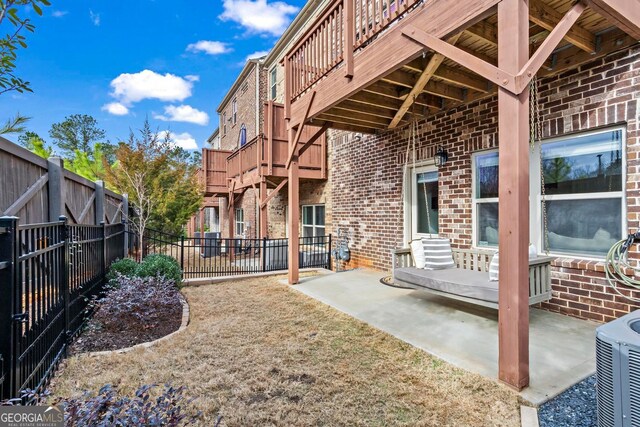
pixel 618 372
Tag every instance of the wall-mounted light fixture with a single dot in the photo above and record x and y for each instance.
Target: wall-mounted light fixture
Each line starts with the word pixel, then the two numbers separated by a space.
pixel 441 157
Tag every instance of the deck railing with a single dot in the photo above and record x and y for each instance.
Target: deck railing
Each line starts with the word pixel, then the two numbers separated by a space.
pixel 343 27
pixel 245 158
pixel 214 169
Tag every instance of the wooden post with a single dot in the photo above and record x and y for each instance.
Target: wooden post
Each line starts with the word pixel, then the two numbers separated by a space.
pixel 99 202
pixel 201 218
pixel 56 188
pixel 264 226
pixel 513 136
pixel 269 147
pixel 349 37
pixel 294 213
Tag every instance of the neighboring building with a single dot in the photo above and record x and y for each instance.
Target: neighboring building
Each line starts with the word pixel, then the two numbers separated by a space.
pixel 214 139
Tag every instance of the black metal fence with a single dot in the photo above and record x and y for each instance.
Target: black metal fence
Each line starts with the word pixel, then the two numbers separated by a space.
pixel 48 275
pixel 213 256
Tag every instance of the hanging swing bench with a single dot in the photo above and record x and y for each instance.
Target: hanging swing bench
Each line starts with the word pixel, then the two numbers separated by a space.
pixel 469 280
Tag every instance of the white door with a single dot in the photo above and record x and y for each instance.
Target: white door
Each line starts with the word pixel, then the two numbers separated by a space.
pixel 424 202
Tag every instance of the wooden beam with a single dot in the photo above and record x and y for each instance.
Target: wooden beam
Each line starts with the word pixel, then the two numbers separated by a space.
pixel 313 138
pixel 349 38
pixel 548 46
pixel 513 133
pixel 625 14
pixel 462 78
pixel 370 110
pixel 348 120
pixel 300 128
pixel 409 81
pixel 376 101
pixel 294 214
pixel 354 128
pixel 488 71
pixel 441 18
pixel 273 193
pixel 484 31
pixel 26 196
pixel 384 88
pixel 548 18
pixel 264 213
pixel 435 61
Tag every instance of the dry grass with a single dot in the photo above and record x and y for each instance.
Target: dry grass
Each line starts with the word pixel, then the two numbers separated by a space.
pixel 259 353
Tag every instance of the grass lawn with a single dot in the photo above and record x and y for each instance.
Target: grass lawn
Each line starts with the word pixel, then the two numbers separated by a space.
pixel 260 353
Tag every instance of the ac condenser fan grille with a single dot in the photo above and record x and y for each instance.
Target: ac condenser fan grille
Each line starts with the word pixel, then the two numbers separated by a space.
pixel 604 358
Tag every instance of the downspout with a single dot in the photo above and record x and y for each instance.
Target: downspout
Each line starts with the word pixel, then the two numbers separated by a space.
pixel 258 131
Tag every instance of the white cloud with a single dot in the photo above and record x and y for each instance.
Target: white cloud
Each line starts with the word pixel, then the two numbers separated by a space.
pixel 192 78
pixel 183 113
pixel 59 13
pixel 115 108
pixel 259 16
pixel 130 88
pixel 95 18
pixel 256 55
pixel 209 47
pixel 183 140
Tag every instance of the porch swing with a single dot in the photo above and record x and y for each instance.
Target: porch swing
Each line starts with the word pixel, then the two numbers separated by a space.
pixel 469 280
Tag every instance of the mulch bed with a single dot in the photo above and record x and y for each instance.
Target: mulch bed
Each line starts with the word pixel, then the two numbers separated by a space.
pixel 96 337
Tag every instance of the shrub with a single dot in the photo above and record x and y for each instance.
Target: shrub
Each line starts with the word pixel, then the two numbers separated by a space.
pixel 125 267
pixel 170 408
pixel 160 265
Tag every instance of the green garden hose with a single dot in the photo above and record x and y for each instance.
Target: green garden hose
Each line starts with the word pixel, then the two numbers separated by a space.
pixel 617 267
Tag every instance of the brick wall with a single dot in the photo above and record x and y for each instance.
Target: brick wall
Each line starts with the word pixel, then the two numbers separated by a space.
pixel 367 190
pixel 245 95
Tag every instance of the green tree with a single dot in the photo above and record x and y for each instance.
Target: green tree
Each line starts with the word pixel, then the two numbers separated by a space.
pixel 90 165
pixel 76 132
pixel 160 181
pixel 14 124
pixel 15 40
pixel 27 138
pixel 40 148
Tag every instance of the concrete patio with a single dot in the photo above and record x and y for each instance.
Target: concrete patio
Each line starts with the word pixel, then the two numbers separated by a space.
pixel 562 348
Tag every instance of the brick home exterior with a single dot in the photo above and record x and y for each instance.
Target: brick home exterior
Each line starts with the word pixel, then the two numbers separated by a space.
pixel 367 190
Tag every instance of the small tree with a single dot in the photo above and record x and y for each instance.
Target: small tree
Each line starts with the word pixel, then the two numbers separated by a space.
pixel 162 186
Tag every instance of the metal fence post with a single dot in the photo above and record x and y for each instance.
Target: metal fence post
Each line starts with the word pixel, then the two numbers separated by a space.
pixel 329 254
pixel 8 277
pixel 182 253
pixel 64 272
pixel 104 249
pixel 264 254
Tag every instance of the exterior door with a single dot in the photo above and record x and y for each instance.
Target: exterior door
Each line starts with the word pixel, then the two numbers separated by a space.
pixel 424 202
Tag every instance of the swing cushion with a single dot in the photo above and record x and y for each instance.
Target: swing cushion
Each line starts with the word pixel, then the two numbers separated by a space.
pixel 417 252
pixel 438 254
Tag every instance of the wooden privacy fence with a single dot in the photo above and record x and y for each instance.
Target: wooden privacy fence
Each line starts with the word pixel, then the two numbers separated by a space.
pixel 38 190
pixel 49 274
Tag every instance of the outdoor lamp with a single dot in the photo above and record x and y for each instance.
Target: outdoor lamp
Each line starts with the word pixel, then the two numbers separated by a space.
pixel 441 157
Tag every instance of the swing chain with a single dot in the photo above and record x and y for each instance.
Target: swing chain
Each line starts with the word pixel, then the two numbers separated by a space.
pixel 535 130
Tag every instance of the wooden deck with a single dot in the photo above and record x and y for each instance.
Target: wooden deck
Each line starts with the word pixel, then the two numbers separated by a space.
pixel 371 65
pixel 393 77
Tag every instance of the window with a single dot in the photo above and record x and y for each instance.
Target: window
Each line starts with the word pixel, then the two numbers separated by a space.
pixel 583 194
pixel 224 124
pixel 424 202
pixel 234 111
pixel 239 226
pixel 243 135
pixel 313 220
pixel 272 83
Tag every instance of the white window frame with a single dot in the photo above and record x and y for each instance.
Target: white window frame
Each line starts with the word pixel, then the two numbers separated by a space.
pixel 475 200
pixel 273 83
pixel 536 228
pixel 314 226
pixel 411 199
pixel 224 123
pixel 234 111
pixel 239 224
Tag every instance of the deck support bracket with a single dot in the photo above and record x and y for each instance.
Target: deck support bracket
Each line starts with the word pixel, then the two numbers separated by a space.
pixel 515 84
pixel 273 193
pixel 296 139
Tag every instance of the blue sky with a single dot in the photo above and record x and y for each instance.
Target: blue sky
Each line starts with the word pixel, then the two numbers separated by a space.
pixel 122 61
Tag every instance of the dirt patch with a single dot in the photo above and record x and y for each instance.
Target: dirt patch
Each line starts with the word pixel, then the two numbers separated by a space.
pixel 259 353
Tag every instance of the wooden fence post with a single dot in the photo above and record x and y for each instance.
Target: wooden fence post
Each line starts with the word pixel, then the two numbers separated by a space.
pixel 100 208
pixel 8 266
pixel 56 188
